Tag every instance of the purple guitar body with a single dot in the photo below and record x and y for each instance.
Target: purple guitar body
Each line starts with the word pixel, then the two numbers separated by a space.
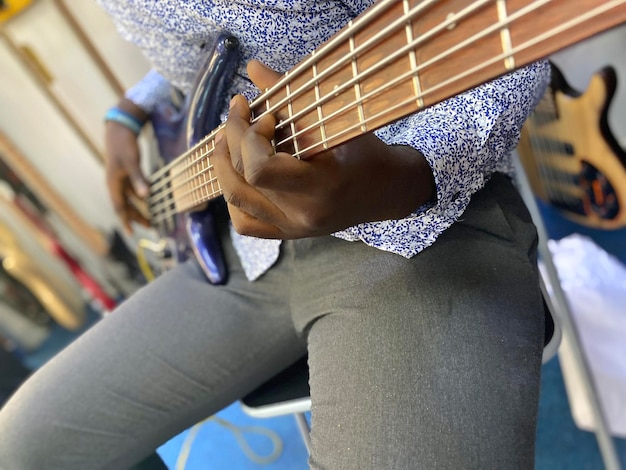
pixel 178 129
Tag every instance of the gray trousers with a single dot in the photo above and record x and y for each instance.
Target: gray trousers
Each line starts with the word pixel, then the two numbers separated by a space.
pixel 430 362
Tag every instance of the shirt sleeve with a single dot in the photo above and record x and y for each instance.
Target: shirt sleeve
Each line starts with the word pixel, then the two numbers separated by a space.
pixel 151 90
pixel 465 140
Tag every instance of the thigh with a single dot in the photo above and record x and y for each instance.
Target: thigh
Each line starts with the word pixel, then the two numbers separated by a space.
pixel 432 362
pixel 174 353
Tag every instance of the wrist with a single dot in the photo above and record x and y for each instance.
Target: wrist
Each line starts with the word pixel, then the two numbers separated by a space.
pixel 128 115
pixel 415 186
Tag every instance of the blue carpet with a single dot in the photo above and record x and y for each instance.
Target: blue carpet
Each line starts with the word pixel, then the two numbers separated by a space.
pixel 560 444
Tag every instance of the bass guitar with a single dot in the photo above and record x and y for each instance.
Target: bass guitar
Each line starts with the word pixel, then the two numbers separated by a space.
pixel 398 57
pixel 572 159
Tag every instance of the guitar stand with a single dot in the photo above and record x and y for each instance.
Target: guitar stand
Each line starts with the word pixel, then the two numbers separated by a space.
pixel 560 307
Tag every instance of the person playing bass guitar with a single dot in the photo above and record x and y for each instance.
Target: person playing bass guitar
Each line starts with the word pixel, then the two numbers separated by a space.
pixel 402 260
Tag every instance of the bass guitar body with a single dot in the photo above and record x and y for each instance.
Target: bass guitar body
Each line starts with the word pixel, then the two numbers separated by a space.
pixel 572 159
pixel 177 129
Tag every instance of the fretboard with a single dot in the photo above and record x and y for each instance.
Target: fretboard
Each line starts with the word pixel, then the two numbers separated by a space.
pixel 398 57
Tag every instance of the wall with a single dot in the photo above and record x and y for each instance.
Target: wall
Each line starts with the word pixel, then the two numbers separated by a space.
pixel 52 113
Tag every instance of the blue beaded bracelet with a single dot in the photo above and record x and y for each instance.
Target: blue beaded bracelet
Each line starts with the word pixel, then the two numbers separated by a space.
pixel 124 118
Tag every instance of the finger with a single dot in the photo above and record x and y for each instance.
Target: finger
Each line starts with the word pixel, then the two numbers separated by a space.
pixel 136 178
pixel 238 193
pixel 138 208
pixel 278 171
pixel 236 125
pixel 135 215
pixel 117 193
pixel 261 75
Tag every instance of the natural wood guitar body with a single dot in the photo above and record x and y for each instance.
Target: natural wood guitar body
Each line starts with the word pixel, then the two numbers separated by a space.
pixel 572 159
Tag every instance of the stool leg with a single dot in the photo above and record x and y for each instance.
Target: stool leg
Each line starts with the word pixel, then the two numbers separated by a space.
pixel 603 435
pixel 303 426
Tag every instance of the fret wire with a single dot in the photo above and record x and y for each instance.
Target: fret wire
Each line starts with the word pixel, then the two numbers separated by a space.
pixel 417 86
pixel 188 178
pixel 505 35
pixel 193 159
pixel 357 86
pixel 194 177
pixel 177 198
pixel 167 178
pixel 267 106
pixel 320 111
pixel 557 30
pixel 201 176
pixel 204 162
pixel 210 167
pixel 296 149
pixel 184 176
pixel 608 6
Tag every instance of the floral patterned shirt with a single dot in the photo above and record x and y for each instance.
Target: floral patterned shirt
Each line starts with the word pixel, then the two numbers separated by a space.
pixel 465 139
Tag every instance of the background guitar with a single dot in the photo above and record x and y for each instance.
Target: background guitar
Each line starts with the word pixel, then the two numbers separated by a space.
pixel 572 159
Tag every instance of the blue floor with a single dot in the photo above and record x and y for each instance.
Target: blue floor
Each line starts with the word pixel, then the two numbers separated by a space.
pixel 215 447
pixel 560 444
